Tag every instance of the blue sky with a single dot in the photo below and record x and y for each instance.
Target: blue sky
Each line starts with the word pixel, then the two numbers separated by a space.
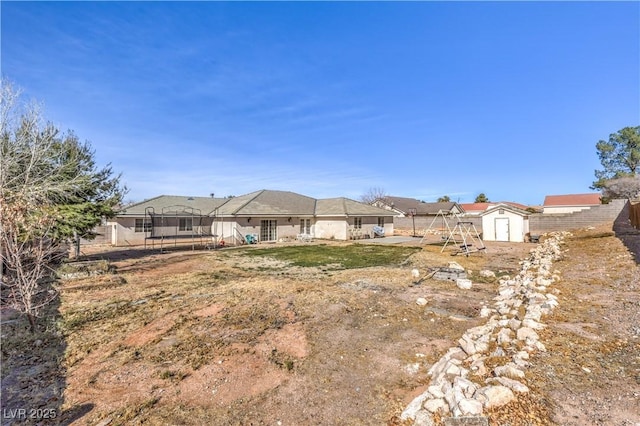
pixel 330 99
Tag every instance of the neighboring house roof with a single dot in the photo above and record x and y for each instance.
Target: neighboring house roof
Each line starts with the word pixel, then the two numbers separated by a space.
pixel 174 204
pixel 260 203
pixel 480 207
pixel 434 208
pixel 270 203
pixel 403 204
pixel 346 207
pixel 505 206
pixel 592 199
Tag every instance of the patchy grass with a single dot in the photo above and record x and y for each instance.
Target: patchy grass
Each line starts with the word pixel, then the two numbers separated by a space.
pixel 339 257
pixel 173 375
pixel 86 268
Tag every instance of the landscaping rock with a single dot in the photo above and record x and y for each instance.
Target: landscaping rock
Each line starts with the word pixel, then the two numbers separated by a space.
pixel 470 407
pixel 496 396
pixel 485 312
pixel 510 370
pixel 527 333
pixel 464 283
pixel 450 389
pixel 414 406
pixel 487 274
pixel 504 336
pixel 455 265
pixel 423 419
pixel 514 385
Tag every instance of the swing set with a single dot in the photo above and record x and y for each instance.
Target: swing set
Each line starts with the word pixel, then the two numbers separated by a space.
pixel 463 235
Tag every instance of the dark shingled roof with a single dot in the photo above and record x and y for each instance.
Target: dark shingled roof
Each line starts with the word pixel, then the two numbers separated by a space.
pixel 270 203
pixel 403 204
pixel 346 207
pixel 174 204
pixel 260 203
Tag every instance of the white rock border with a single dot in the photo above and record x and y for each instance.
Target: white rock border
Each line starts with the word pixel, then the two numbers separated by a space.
pixel 513 320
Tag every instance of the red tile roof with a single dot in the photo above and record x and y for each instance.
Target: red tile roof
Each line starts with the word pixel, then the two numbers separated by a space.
pixel 480 207
pixel 572 200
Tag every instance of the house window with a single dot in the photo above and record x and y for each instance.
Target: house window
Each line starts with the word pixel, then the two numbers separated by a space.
pixel 500 211
pixel 142 225
pixel 185 224
pixel 381 222
pixel 357 222
pixel 305 226
pixel 268 230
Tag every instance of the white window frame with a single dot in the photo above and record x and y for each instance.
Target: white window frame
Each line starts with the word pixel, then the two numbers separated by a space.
pixel 268 230
pixel 185 224
pixel 357 223
pixel 142 225
pixel 305 226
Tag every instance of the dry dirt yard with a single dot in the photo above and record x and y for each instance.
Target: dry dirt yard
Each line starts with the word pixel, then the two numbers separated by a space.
pixel 232 338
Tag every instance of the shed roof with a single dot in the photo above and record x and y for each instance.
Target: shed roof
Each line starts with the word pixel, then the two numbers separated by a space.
pixel 507 207
pixel 592 199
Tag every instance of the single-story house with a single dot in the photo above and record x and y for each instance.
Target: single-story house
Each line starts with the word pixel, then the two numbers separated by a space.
pixel 503 222
pixel 265 215
pixel 402 206
pixel 570 203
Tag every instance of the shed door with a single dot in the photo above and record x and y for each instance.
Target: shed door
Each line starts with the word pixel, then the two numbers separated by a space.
pixel 502 229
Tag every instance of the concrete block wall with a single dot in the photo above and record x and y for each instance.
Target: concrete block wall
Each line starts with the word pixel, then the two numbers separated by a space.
pixel 538 223
pixel 604 213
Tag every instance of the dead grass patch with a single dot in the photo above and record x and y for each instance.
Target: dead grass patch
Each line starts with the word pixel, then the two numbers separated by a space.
pixel 249 337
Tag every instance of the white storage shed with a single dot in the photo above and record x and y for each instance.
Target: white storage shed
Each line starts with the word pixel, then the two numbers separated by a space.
pixel 505 223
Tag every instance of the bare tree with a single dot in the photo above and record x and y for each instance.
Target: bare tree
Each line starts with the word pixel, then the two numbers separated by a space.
pixel 373 194
pixel 49 190
pixel 28 255
pixel 625 187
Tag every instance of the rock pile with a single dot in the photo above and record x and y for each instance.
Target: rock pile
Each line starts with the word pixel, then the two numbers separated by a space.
pixel 461 384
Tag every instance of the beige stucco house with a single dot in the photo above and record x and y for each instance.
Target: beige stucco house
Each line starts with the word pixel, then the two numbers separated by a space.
pixel 569 203
pixel 264 215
